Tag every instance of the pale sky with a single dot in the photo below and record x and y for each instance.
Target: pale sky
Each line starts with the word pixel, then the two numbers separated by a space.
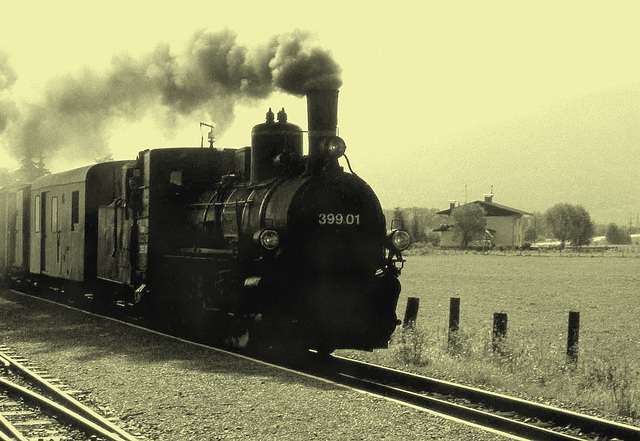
pixel 440 100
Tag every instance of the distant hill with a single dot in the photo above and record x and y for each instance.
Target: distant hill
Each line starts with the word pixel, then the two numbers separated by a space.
pixel 584 152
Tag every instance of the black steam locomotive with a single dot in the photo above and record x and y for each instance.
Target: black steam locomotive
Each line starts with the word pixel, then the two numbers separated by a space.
pixel 258 242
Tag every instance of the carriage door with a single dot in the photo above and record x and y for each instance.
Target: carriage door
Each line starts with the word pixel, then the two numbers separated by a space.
pixel 43 231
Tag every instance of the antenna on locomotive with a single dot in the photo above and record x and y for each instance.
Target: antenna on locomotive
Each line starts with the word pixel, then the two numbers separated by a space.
pixel 209 136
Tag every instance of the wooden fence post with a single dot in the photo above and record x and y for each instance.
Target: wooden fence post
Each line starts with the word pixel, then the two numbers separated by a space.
pixel 411 313
pixel 499 332
pixel 454 322
pixel 573 337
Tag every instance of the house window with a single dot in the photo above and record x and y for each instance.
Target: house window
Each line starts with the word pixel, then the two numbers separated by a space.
pixel 36 214
pixel 75 209
pixel 54 214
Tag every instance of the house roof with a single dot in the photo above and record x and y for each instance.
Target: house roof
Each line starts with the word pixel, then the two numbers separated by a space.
pixel 492 209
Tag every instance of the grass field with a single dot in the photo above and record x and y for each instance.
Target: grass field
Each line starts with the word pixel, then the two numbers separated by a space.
pixel 536 292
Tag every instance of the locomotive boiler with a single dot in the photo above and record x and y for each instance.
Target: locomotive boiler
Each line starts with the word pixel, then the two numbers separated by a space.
pixel 260 244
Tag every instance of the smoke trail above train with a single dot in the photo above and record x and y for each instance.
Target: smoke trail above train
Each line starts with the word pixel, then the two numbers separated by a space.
pixel 207 79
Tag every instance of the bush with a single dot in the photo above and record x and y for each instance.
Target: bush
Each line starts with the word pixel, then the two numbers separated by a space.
pixel 526 364
pixel 433 238
pixel 617 236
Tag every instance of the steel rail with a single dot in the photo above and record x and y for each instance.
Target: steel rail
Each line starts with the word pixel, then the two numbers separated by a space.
pixel 71 403
pixel 376 379
pixel 9 432
pixel 4 362
pixel 60 409
pixel 402 386
pixel 466 413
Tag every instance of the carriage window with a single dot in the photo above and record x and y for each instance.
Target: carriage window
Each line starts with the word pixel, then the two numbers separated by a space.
pixel 36 214
pixel 75 208
pixel 176 177
pixel 54 214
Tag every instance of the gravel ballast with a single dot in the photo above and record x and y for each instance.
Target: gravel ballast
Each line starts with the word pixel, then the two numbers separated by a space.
pixel 166 389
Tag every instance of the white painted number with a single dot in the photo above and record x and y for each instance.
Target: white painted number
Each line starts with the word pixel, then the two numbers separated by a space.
pixel 338 219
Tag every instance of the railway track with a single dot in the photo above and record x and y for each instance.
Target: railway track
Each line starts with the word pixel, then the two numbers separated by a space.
pixel 500 413
pixel 34 407
pixel 511 416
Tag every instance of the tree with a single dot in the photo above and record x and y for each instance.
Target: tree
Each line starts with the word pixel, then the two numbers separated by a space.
pixel 30 170
pixel 469 222
pixel 414 230
pixel 616 235
pixel 535 227
pixel 599 229
pixel 558 221
pixel 530 234
pixel 398 216
pixel 570 223
pixel 7 177
pixel 419 222
pixel 582 226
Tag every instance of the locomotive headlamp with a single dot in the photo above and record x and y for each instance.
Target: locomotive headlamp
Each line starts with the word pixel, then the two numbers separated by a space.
pixel 269 239
pixel 399 239
pixel 334 146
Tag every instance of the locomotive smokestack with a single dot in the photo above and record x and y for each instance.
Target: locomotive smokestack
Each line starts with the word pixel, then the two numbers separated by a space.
pixel 322 114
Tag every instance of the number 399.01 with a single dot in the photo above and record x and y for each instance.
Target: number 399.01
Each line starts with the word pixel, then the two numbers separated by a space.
pixel 338 219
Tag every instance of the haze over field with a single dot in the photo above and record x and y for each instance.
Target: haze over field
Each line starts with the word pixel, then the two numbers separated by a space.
pixel 439 100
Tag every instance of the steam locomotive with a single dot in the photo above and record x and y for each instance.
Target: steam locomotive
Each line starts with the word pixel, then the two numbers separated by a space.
pixel 249 244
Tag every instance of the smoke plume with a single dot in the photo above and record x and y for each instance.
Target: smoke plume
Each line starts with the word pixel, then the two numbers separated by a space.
pixel 7 74
pixel 297 69
pixel 208 79
pixel 8 109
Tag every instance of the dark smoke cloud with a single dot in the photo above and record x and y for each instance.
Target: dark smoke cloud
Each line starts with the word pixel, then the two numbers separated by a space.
pixel 298 68
pixel 8 112
pixel 8 109
pixel 208 79
pixel 7 74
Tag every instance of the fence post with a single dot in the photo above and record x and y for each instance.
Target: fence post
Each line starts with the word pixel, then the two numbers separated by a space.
pixel 454 322
pixel 573 337
pixel 411 313
pixel 499 332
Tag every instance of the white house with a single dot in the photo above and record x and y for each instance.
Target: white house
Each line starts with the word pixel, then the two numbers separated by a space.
pixel 504 225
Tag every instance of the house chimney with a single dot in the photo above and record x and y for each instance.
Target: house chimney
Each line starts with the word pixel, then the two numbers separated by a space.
pixel 452 205
pixel 488 197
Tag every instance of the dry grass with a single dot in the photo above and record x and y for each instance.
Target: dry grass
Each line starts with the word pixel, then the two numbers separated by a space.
pixel 537 292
